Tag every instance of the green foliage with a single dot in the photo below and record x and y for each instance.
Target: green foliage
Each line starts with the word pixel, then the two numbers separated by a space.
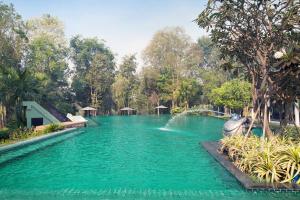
pixel 273 160
pixel 235 94
pixel 46 57
pixel 13 78
pixel 187 90
pixel 176 110
pixel 94 72
pixel 211 79
pixel 250 32
pixel 291 132
pixel 15 135
pixel 125 85
pixel 167 54
pixel 52 128
pixel 120 91
pixel 99 78
pixel 4 133
pixel 47 26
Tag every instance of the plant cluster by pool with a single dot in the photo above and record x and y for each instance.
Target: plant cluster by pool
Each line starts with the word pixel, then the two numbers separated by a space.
pixel 125 157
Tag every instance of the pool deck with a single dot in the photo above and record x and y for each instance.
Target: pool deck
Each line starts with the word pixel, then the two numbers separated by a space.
pixel 244 179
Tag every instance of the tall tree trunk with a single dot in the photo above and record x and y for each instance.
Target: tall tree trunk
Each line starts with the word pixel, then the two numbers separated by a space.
pixel 266 124
pixel 297 117
pixel 288 112
pixel 2 115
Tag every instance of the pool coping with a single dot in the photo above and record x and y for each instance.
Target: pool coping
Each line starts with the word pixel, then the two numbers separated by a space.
pixel 33 140
pixel 243 178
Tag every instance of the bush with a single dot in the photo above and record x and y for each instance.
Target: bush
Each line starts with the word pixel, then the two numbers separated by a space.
pixel 273 160
pixel 9 136
pixel 21 133
pixel 4 133
pixel 52 128
pixel 291 132
pixel 176 110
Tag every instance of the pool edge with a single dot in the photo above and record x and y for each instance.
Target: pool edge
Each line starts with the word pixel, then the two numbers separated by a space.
pixel 33 140
pixel 243 178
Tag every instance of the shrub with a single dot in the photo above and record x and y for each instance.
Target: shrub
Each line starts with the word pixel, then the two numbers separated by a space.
pixel 271 160
pixel 4 133
pixel 52 128
pixel 291 132
pixel 176 110
pixel 12 135
pixel 21 133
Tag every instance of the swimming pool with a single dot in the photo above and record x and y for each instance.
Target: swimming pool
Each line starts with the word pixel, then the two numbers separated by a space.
pixel 126 157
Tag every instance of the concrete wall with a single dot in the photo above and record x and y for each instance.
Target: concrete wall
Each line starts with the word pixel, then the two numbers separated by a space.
pixel 34 110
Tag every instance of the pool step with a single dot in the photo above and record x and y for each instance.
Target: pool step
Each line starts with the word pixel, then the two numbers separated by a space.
pixel 23 151
pixel 145 194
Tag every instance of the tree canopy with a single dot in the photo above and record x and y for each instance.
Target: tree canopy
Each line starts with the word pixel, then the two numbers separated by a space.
pixel 234 94
pixel 252 31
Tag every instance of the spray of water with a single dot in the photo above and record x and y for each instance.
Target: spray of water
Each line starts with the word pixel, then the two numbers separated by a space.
pixel 179 117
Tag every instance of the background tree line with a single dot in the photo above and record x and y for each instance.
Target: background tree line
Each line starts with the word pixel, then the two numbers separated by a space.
pixel 39 63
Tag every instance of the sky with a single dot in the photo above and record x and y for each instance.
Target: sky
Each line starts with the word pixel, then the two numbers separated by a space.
pixel 126 26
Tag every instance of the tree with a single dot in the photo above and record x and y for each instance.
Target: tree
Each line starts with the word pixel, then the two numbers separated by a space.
pixel 99 78
pixel 127 71
pixel 188 89
pixel 13 42
pixel 234 94
pixel 211 79
pixel 22 86
pixel 251 31
pixel 48 26
pixel 166 52
pixel 83 51
pixel 47 58
pixel 207 47
pixel 120 88
pixel 128 67
pixel 288 62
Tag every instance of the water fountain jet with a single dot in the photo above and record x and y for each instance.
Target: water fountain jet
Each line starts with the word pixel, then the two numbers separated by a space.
pixel 175 118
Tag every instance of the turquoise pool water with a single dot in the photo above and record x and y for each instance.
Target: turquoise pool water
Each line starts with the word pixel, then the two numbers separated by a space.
pixel 125 157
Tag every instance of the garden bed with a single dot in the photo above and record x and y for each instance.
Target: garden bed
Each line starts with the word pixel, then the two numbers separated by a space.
pixel 243 178
pixel 33 140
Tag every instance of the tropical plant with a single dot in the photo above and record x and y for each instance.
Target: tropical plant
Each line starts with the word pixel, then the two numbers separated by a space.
pixel 291 162
pixel 271 160
pixel 291 132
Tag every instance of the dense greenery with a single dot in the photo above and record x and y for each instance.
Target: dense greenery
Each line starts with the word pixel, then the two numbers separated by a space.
pixel 251 32
pixel 38 63
pixel 250 59
pixel 271 160
pixel 263 38
pixel 234 94
pixel 8 136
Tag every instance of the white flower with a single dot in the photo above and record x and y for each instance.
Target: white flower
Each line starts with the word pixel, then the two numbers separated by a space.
pixel 278 55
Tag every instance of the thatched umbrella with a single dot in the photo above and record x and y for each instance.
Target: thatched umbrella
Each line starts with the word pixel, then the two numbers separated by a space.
pixel 89 110
pixel 127 109
pixel 160 107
